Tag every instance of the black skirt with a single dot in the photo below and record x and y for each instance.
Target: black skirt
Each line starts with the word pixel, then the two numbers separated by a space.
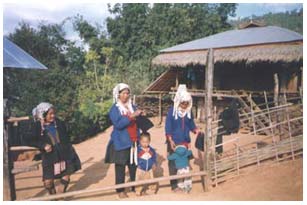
pixel 72 165
pixel 121 157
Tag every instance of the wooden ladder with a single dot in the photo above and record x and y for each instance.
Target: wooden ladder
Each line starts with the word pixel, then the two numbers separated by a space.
pixel 261 120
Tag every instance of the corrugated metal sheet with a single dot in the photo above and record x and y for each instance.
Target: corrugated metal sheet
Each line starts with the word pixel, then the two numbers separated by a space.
pixel 243 37
pixel 15 57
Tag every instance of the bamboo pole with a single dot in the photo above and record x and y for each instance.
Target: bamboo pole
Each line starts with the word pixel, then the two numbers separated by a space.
pixel 225 173
pixel 215 169
pixel 238 159
pixel 301 94
pixel 160 109
pixel 252 112
pixel 133 100
pixel 23 148
pixel 268 111
pixel 113 187
pixel 228 141
pixel 276 96
pixel 258 162
pixel 208 110
pixel 296 154
pixel 177 80
pixel 9 191
pixel 289 126
pixel 280 123
pixel 32 167
pixel 17 119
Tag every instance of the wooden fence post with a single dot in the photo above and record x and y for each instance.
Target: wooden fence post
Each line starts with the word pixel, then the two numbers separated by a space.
pixel 289 126
pixel 276 100
pixel 268 110
pixel 160 108
pixel 208 115
pixel 252 112
pixel 9 192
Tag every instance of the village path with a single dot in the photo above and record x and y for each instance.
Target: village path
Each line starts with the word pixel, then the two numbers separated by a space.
pixel 283 181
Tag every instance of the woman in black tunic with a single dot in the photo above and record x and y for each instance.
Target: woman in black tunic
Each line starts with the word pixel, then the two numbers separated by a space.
pixel 59 159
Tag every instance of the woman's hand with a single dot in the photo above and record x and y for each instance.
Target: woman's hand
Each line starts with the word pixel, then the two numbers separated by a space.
pixel 154 167
pixel 136 113
pixel 196 132
pixel 48 148
pixel 173 145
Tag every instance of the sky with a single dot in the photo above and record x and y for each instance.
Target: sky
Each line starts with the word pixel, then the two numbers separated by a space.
pixel 56 11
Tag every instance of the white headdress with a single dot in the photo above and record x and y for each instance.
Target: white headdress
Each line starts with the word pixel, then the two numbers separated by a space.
pixel 182 95
pixel 122 107
pixel 39 111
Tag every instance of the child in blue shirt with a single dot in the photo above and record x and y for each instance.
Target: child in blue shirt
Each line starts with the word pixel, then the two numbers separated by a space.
pixel 180 156
pixel 147 158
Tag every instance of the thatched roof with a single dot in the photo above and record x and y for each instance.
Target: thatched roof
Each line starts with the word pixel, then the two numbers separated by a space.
pixel 249 54
pixel 250 45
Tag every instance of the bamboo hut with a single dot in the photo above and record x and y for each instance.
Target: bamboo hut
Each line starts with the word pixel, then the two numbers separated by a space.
pixel 245 61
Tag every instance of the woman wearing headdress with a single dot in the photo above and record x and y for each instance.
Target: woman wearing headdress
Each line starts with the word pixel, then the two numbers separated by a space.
pixel 59 159
pixel 125 135
pixel 179 123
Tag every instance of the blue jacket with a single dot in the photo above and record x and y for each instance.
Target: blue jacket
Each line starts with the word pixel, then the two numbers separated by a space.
pixel 120 136
pixel 179 129
pixel 180 156
pixel 145 162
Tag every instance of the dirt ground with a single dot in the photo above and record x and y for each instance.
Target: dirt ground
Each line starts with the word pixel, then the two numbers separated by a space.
pixel 278 181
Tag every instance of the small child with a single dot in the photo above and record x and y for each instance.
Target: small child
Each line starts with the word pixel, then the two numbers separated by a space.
pixel 180 155
pixel 146 163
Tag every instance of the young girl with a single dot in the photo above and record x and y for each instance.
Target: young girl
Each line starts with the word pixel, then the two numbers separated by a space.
pixel 59 159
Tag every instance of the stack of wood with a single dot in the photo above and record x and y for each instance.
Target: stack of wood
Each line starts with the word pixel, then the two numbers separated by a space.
pixel 151 105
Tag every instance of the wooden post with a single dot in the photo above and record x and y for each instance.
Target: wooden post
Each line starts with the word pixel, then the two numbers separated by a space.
pixel 208 114
pixel 257 154
pixel 301 86
pixel 301 94
pixel 276 99
pixel 289 126
pixel 252 112
pixel 268 110
pixel 276 89
pixel 177 80
pixel 160 108
pixel 214 132
pixel 215 169
pixel 133 102
pixel 238 154
pixel 214 114
pixel 9 192
pixel 283 81
pixel 301 76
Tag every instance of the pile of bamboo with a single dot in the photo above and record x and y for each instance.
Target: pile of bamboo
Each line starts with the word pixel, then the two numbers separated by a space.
pixel 284 145
pixel 255 156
